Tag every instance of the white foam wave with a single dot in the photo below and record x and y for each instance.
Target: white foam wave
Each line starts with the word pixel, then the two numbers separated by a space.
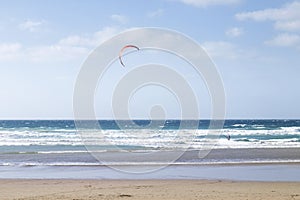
pixel 240 138
pixel 239 125
pixel 89 164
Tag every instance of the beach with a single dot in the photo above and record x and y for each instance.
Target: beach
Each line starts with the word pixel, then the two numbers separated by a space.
pixel 146 189
pixel 150 100
pixel 233 181
pixel 52 160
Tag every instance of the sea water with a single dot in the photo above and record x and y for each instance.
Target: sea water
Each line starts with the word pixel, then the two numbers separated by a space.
pixel 56 139
pixel 52 144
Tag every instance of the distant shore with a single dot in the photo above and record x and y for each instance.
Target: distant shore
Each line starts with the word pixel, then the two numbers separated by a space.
pixel 146 189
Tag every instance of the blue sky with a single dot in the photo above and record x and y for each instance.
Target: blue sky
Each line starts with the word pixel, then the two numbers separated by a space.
pixel 255 45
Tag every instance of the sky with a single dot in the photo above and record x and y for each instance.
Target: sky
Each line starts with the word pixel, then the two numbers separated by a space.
pixel 255 46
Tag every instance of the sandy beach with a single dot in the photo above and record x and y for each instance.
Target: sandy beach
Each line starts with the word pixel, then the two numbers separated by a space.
pixel 146 189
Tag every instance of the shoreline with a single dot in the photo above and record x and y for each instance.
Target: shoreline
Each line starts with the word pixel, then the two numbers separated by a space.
pixel 226 164
pixel 25 189
pixel 192 164
pixel 268 172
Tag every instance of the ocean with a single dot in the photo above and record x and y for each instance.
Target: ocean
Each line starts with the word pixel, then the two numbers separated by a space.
pixel 52 144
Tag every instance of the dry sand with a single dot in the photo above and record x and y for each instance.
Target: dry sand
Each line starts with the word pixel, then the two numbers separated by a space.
pixel 146 189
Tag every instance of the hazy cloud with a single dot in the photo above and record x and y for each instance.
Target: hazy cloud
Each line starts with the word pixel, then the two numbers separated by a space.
pixel 234 32
pixel 286 18
pixel 221 49
pixel 30 25
pixel 119 18
pixel 156 13
pixel 10 51
pixel 205 3
pixel 292 25
pixel 68 48
pixel 89 40
pixel 285 40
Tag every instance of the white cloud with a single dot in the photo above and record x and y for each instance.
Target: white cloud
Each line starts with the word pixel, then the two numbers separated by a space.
pixel 288 11
pixel 156 13
pixel 234 32
pixel 9 48
pixel 10 51
pixel 105 34
pixel 205 3
pixel 30 25
pixel 119 18
pixel 76 40
pixel 285 40
pixel 221 49
pixel 55 53
pixel 227 51
pixel 69 48
pixel 293 25
pixel 72 47
pixel 90 40
pixel 286 18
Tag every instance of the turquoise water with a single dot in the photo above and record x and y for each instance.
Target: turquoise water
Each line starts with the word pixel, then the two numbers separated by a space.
pixel 41 136
pixel 56 143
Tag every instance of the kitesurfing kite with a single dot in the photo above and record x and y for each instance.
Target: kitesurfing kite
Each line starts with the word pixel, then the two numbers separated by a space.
pixel 123 49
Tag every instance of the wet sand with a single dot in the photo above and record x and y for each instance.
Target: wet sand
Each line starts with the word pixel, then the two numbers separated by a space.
pixel 284 172
pixel 146 189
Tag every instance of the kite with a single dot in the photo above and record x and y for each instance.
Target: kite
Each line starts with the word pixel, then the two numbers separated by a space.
pixel 123 49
